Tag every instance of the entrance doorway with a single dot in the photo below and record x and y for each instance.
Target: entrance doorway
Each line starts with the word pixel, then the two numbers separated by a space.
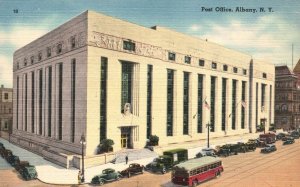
pixel 126 137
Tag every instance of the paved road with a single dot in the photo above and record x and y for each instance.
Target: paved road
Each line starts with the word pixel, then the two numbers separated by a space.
pixel 252 169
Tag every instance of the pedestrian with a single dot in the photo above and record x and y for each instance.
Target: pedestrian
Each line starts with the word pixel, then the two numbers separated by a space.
pixel 79 177
pixel 126 159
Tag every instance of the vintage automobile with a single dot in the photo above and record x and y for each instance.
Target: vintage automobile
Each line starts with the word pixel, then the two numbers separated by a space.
pixel 280 135
pixel 13 160
pixel 2 148
pixel 133 168
pixel 223 151
pixel 107 175
pixel 289 141
pixel 22 164
pixel 269 148
pixel 161 164
pixel 295 134
pixel 29 173
pixel 169 158
pixel 251 146
pixel 206 152
pixel 6 154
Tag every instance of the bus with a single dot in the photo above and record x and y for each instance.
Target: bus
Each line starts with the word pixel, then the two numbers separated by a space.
pixel 192 172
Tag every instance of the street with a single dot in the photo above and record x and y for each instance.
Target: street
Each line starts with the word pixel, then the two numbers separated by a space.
pixel 280 168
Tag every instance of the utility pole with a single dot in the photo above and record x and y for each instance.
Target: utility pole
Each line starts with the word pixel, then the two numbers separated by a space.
pixel 208 130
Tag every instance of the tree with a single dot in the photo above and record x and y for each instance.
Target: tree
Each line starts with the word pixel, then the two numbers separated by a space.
pixel 105 145
pixel 153 140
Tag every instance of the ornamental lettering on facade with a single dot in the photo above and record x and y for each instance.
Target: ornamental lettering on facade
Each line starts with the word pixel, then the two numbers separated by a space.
pixel 115 43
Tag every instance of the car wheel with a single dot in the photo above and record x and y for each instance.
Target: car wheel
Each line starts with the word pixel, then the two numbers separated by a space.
pixel 101 182
pixel 142 171
pixel 117 177
pixel 218 174
pixel 195 183
pixel 129 174
pixel 163 171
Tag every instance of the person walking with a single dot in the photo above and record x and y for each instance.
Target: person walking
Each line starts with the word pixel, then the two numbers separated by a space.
pixel 79 177
pixel 126 159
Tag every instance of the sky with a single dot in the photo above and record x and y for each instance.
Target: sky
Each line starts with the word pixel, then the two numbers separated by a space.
pixel 266 35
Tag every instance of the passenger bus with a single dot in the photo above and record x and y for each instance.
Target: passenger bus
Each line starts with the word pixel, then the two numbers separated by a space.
pixel 194 171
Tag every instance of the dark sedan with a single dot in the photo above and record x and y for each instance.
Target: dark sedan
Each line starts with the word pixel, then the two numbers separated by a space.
pixel 269 148
pixel 133 168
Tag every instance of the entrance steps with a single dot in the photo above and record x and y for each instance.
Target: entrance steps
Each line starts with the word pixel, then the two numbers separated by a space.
pixel 133 154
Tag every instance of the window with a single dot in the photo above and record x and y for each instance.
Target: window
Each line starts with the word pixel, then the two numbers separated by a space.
pixel 149 100
pixel 212 102
pixel 235 70
pixel 128 45
pixel 59 48
pixel 73 42
pixel 170 101
pixel 172 56
pixel 18 66
pixel 6 96
pixel 40 56
pixel 224 102
pixel 103 98
pixel 200 102
pixel 186 80
pixel 225 68
pixel 264 75
pixel 25 61
pixel 32 59
pixel 244 72
pixel 214 65
pixel 201 62
pixel 187 59
pixel 48 52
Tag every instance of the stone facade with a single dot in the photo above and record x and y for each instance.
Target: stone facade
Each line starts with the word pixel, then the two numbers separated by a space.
pixel 6 112
pixel 106 62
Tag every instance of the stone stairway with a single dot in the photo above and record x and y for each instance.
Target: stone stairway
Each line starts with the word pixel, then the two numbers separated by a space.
pixel 133 154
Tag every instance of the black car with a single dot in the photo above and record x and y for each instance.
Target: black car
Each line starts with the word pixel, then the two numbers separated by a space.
pixel 279 136
pixel 295 134
pixel 268 149
pixel 133 168
pixel 289 141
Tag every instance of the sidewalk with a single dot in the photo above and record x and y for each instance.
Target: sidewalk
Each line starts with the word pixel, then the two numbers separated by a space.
pixel 54 174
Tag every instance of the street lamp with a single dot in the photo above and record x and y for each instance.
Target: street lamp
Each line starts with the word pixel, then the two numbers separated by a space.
pixel 208 125
pixel 82 142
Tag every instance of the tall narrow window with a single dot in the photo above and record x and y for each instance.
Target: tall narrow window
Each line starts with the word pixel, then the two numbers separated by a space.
pixel 243 104
pixel 17 122
pixel 256 107
pixel 263 94
pixel 186 80
pixel 149 100
pixel 32 101
pixel 103 97
pixel 49 100
pixel 73 88
pixel 26 102
pixel 270 111
pixel 127 70
pixel 233 109
pixel 212 102
pixel 60 87
pixel 170 100
pixel 40 101
pixel 200 103
pixel 224 88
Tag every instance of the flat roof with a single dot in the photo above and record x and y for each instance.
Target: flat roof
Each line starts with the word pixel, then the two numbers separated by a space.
pixel 197 162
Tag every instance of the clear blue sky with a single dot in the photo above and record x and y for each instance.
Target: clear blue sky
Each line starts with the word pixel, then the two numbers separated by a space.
pixel 265 35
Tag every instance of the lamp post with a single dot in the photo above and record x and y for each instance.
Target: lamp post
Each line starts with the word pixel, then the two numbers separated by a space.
pixel 82 142
pixel 208 130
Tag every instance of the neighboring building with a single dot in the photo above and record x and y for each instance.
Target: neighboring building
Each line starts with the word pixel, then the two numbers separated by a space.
pixel 107 78
pixel 287 97
pixel 6 112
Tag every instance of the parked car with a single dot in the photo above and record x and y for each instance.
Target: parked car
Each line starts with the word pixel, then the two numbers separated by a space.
pixel 22 164
pixel 280 135
pixel 169 158
pixel 6 154
pixel 161 164
pixel 29 173
pixel 133 168
pixel 13 160
pixel 289 141
pixel 223 151
pixel 107 175
pixel 269 148
pixel 295 134
pixel 2 149
pixel 206 152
